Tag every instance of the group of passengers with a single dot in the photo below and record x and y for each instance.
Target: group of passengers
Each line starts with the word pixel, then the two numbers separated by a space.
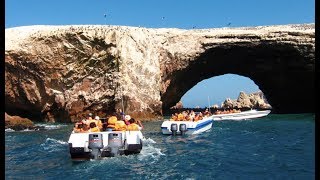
pixel 115 122
pixel 190 115
pixel 227 111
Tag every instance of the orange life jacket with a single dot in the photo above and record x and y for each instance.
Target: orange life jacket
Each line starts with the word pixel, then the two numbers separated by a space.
pixel 133 127
pixel 95 129
pixel 180 117
pixel 120 126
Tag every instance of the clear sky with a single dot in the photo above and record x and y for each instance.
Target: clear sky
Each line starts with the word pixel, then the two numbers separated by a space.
pixel 184 14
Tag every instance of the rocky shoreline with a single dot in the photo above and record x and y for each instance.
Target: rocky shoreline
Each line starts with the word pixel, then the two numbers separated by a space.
pixel 18 123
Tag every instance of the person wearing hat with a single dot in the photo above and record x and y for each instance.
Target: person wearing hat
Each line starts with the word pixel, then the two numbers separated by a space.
pixel 127 119
pixel 98 122
pixel 89 119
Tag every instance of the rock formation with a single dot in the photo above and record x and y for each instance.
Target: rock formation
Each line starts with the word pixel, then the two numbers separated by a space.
pixel 179 105
pixel 57 73
pixel 244 101
pixel 18 123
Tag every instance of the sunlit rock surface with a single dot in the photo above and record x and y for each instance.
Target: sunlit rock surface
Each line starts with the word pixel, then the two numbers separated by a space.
pixel 18 123
pixel 245 101
pixel 57 73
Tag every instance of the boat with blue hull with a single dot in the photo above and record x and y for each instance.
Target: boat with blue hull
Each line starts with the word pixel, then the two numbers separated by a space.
pixel 170 127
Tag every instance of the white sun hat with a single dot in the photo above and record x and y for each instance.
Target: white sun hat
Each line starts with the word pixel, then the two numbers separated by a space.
pixel 97 118
pixel 127 117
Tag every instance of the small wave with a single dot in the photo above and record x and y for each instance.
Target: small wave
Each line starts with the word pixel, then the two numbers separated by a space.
pixel 51 144
pixel 9 130
pixel 148 141
pixel 55 141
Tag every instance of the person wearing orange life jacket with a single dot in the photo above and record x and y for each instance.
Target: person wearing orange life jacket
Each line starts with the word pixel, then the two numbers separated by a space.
pixel 78 127
pixel 133 126
pixel 98 122
pixel 93 127
pixel 180 117
pixel 120 126
pixel 111 122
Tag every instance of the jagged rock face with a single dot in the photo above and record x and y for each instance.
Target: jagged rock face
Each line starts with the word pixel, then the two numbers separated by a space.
pixel 244 101
pixel 17 123
pixel 57 73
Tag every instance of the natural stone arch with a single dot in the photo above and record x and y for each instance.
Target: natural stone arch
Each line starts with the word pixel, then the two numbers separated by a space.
pixel 58 72
pixel 279 69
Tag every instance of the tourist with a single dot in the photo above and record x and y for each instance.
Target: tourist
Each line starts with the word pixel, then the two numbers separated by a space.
pixel 78 127
pixel 127 119
pixel 174 117
pixel 88 119
pixel 93 127
pixel 192 115
pixel 112 121
pixel 120 125
pixel 84 128
pixel 180 117
pixel 119 114
pixel 133 126
pixel 98 122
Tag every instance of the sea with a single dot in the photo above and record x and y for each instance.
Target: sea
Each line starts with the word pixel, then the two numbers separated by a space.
pixel 273 147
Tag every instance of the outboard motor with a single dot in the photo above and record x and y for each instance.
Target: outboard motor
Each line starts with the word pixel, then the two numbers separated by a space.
pixel 183 129
pixel 115 143
pixel 95 144
pixel 174 128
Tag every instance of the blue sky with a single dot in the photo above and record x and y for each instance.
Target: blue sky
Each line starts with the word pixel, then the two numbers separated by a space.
pixel 184 14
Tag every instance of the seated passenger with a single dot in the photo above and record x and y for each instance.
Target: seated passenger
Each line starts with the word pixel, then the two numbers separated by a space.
pixel 192 115
pixel 88 119
pixel 196 118
pixel 120 126
pixel 174 117
pixel 84 128
pixel 111 122
pixel 93 127
pixel 77 127
pixel 133 126
pixel 180 117
pixel 127 119
pixel 98 122
pixel 206 113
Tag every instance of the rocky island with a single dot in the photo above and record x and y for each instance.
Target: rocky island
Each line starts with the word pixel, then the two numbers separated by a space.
pixel 58 73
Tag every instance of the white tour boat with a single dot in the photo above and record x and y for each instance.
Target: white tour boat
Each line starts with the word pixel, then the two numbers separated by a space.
pixel 95 145
pixel 241 115
pixel 170 127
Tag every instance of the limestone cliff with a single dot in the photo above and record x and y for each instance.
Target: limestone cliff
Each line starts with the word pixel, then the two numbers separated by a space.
pixel 56 73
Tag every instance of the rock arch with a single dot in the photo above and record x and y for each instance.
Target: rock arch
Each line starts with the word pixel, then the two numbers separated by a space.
pixel 58 72
pixel 281 70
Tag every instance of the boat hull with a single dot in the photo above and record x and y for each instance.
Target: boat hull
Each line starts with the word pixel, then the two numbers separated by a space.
pixel 241 116
pixel 192 127
pixel 96 145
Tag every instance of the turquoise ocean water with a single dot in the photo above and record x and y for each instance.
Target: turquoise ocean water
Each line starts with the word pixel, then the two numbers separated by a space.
pixel 273 147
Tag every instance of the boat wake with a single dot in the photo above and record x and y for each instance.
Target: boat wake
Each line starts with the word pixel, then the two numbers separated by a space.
pixel 52 145
pixel 149 152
